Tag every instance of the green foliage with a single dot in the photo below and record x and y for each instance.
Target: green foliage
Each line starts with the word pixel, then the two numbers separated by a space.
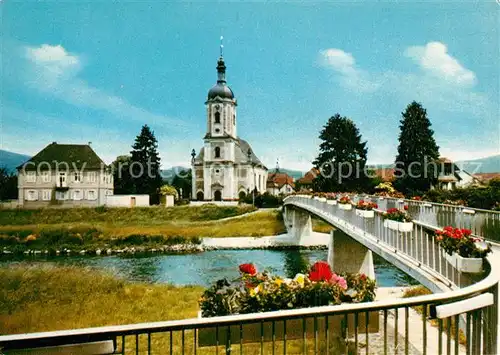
pixel 123 183
pixel 8 185
pixel 342 157
pixel 265 200
pixel 145 165
pixel 476 197
pixel 167 190
pixel 119 216
pixel 417 151
pixel 182 182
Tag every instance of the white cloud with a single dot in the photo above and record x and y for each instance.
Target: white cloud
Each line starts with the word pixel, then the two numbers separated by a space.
pixel 55 71
pixel 434 59
pixel 343 63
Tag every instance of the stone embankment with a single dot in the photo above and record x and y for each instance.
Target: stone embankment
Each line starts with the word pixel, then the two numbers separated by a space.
pixel 284 241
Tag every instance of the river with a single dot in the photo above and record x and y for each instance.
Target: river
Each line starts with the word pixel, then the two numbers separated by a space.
pixel 206 267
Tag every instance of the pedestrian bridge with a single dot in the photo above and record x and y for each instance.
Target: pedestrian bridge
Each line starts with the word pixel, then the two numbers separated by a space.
pixel 461 317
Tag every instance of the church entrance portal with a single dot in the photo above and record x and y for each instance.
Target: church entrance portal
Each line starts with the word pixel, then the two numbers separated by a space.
pixel 218 195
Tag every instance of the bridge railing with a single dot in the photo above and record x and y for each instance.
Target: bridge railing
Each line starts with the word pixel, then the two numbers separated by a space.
pixel 483 223
pixel 470 328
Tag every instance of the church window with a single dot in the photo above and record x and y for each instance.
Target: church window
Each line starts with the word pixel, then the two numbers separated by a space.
pixel 217 152
pixel 234 120
pixel 217 117
pixel 217 130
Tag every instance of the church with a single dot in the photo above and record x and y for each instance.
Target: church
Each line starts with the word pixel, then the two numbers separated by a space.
pixel 226 168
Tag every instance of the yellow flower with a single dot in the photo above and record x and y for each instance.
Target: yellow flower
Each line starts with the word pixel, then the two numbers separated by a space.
pixel 278 281
pixel 300 278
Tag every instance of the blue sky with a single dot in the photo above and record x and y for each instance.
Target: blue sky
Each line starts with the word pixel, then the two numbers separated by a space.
pixel 96 71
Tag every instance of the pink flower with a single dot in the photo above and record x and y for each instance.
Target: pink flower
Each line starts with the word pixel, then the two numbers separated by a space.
pixel 338 280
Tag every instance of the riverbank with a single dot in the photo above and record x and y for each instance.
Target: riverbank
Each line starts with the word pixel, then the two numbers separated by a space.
pixel 182 230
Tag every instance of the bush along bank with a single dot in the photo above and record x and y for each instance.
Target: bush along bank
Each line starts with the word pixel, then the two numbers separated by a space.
pixel 91 241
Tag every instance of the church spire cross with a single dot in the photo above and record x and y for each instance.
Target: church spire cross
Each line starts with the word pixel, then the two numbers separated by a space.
pixel 221 66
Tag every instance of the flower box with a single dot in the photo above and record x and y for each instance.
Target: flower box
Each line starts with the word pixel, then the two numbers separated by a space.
pixel 345 206
pixel 322 199
pixel 365 213
pixel 467 265
pixel 294 329
pixel 429 205
pixel 332 202
pixel 398 226
pixel 468 211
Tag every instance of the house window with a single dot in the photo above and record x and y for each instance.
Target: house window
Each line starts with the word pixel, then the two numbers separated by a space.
pixel 62 179
pixel 61 195
pixel 91 176
pixel 45 176
pixel 217 152
pixel 31 176
pixel 78 177
pixel 234 120
pixel 46 195
pixel 32 195
pixel 109 192
pixel 217 117
pixel 91 195
pixel 77 195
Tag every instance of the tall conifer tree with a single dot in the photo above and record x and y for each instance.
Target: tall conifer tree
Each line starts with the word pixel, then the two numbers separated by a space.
pixel 145 165
pixel 416 160
pixel 342 157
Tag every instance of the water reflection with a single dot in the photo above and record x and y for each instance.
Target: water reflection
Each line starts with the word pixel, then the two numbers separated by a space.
pixel 207 267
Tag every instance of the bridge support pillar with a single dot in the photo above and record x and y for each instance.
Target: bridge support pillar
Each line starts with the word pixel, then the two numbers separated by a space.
pixel 298 224
pixel 347 255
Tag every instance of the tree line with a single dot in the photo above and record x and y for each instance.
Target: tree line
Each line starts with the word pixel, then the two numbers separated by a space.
pixel 343 155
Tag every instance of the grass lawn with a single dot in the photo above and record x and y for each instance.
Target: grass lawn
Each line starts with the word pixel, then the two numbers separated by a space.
pixel 47 298
pixel 101 228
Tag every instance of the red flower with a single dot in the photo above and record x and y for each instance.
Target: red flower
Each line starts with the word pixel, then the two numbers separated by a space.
pixel 320 271
pixel 248 269
pixel 406 207
pixel 362 277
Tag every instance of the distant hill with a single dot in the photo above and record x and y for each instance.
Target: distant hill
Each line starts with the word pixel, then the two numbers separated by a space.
pixel 484 165
pixel 12 160
pixel 475 166
pixel 169 174
pixel 296 174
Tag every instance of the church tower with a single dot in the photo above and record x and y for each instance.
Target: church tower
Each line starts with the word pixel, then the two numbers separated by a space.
pixel 226 168
pixel 221 106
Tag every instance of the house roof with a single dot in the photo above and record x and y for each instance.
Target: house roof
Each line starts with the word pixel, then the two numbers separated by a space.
pixel 279 179
pixel 486 177
pixel 240 154
pixel 444 160
pixel 58 155
pixel 308 178
pixel 386 174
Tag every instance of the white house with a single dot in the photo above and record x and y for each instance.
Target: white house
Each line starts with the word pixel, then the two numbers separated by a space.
pixel 280 183
pixel 66 175
pixel 451 176
pixel 226 168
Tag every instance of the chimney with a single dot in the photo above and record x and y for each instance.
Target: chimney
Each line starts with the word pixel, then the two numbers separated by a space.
pixel 90 143
pixel 54 142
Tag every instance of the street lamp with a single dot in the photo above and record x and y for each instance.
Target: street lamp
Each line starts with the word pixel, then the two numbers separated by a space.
pixel 249 155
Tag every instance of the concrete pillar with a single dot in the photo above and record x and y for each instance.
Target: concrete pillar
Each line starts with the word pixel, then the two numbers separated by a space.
pixel 347 255
pixel 299 225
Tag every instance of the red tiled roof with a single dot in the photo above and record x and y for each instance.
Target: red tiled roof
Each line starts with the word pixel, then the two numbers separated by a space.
pixel 279 179
pixel 486 177
pixel 387 174
pixel 309 177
